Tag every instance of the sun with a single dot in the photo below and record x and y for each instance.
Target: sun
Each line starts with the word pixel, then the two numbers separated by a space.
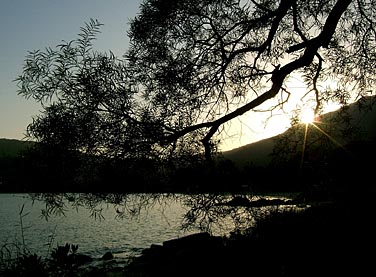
pixel 307 116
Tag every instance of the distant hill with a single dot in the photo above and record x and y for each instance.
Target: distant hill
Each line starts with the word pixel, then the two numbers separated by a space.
pixel 10 148
pixel 363 116
pixel 256 153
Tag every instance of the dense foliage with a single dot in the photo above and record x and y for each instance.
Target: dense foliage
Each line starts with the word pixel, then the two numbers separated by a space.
pixel 194 66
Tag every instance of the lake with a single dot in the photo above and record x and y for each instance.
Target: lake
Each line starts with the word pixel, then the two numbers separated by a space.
pixel 23 224
pixel 124 236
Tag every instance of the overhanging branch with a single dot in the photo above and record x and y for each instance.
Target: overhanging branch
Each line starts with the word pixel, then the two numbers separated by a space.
pixel 278 77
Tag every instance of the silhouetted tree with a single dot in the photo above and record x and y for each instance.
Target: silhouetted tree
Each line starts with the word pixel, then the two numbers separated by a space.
pixel 194 66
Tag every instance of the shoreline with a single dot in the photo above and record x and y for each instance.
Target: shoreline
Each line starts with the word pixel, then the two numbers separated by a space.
pixel 321 240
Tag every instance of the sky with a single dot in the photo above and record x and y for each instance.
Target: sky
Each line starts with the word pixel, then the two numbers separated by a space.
pixel 27 25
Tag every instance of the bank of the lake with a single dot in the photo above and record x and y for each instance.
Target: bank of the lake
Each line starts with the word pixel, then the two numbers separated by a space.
pixel 331 239
pixel 328 239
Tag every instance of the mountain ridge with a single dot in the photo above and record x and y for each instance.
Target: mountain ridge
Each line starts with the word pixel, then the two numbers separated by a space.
pixel 363 116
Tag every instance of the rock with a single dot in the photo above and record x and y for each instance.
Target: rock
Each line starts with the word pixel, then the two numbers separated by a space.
pixel 239 201
pixel 200 249
pixel 107 256
pixel 81 259
pixel 152 249
pixel 188 241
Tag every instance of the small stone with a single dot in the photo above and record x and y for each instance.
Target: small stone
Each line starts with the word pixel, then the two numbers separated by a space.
pixel 107 256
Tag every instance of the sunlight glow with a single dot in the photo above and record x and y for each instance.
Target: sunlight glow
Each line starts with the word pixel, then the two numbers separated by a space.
pixel 312 123
pixel 307 116
pixel 263 123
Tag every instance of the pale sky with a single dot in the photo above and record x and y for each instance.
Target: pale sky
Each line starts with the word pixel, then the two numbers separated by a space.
pixel 27 25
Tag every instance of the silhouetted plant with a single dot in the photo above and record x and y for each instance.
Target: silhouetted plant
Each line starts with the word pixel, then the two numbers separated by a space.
pixel 65 258
pixel 31 265
pixel 25 265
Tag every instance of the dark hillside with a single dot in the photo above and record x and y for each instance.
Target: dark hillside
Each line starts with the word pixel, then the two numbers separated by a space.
pixel 11 148
pixel 13 169
pixel 363 118
pixel 257 153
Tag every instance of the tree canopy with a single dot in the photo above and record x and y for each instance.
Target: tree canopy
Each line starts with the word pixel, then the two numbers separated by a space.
pixel 193 66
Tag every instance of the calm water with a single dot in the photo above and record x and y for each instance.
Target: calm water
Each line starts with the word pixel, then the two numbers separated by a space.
pixel 123 236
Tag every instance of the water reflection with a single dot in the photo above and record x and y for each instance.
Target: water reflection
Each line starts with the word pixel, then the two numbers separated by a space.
pixel 121 223
pixel 95 228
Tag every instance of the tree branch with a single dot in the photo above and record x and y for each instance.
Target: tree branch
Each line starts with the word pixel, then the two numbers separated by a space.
pixel 278 77
pixel 328 30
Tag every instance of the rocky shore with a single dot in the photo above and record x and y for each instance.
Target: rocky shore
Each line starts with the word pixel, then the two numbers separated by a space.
pixel 198 250
pixel 199 254
pixel 321 241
